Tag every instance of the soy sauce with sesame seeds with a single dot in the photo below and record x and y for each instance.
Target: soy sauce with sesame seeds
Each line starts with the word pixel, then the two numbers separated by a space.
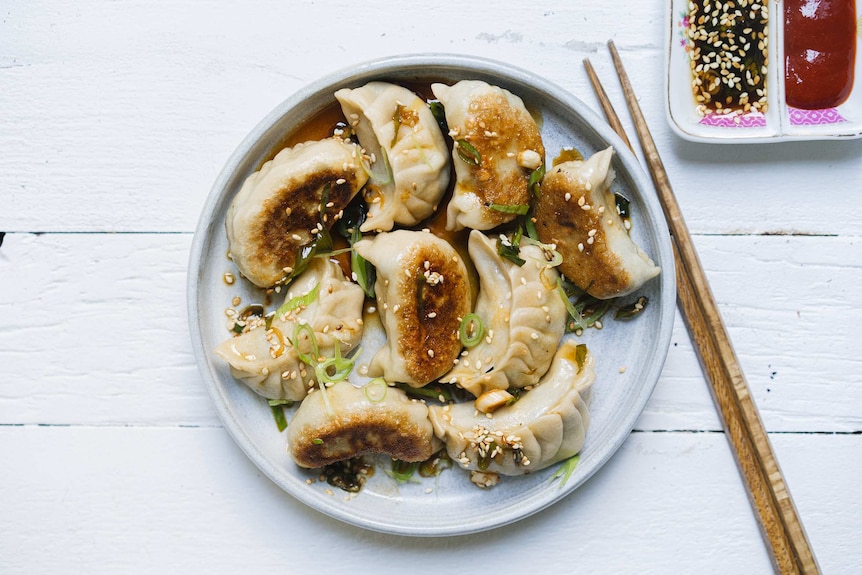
pixel 728 48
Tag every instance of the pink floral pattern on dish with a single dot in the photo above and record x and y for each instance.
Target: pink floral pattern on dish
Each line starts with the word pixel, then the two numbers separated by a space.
pixel 751 120
pixel 814 117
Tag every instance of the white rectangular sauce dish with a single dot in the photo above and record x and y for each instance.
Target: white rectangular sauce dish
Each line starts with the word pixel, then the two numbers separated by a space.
pixel 780 122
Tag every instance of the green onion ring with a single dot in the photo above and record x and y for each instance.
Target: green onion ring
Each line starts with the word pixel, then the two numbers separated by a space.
pixel 375 390
pixel 478 330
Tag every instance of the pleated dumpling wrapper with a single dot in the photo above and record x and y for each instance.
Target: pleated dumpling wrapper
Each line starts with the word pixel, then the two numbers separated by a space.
pixel 343 421
pixel 522 319
pixel 577 212
pixel 546 425
pixel 497 146
pixel 423 293
pixel 410 169
pixel 322 310
pixel 287 203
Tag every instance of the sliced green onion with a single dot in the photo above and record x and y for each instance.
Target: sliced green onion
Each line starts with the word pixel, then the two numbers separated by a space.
pixel 317 441
pixel 366 273
pixel 486 459
pixel 510 253
pixel 299 301
pixel 341 367
pixel 468 153
pixel 282 402
pixel 519 209
pixel 438 392
pixel 402 471
pixel 315 350
pixel 434 465
pixel 530 227
pixel 373 172
pixel 565 470
pixel 536 177
pixel 573 313
pixel 472 330
pixel 439 114
pixel 552 257
pixel 580 355
pixel 396 120
pixel 237 328
pixel 375 390
pixel 632 310
pixel 278 414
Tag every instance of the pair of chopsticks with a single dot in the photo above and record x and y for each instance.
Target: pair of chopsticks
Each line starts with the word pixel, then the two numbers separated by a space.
pixel 770 498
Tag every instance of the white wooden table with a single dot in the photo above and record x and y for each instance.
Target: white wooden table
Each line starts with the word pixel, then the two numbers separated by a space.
pixel 115 118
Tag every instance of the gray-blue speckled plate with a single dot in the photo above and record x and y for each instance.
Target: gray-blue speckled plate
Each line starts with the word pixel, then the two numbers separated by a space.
pixel 448 504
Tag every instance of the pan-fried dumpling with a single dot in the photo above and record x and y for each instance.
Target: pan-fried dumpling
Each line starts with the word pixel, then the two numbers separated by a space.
pixel 523 318
pixel 343 421
pixel 393 124
pixel 423 293
pixel 267 360
pixel 284 205
pixel 577 211
pixel 546 425
pixel 497 146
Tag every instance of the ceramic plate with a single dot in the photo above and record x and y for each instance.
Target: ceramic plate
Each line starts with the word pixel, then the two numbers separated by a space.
pixel 448 504
pixel 780 122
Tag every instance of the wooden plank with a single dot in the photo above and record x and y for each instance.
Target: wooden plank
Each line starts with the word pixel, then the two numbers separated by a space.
pixel 187 500
pixel 76 134
pixel 780 523
pixel 95 332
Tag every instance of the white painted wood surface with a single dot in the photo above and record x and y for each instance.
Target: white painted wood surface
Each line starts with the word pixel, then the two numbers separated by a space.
pixel 115 118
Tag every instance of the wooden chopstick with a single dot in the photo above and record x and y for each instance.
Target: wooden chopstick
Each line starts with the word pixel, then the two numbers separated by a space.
pixel 774 509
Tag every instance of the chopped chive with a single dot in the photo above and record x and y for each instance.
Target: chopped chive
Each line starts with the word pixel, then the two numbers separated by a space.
pixel 396 120
pixel 519 209
pixel 468 153
pixel 536 177
pixel 580 355
pixel 632 310
pixel 278 414
pixel 565 470
pixel 299 301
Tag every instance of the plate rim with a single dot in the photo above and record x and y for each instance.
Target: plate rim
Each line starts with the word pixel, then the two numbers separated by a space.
pixel 355 73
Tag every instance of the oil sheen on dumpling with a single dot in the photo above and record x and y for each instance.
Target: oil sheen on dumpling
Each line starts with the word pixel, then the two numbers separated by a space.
pixel 279 208
pixel 546 425
pixel 344 421
pixel 423 293
pixel 265 359
pixel 497 145
pixel 577 211
pixel 523 318
pixel 395 125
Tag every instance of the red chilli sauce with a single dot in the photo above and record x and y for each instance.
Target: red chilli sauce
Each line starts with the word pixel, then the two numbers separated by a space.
pixel 819 52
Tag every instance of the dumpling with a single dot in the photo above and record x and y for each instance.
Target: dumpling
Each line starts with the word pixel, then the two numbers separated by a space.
pixel 284 205
pixel 344 421
pixel 577 211
pixel 523 318
pixel 268 362
pixel 393 124
pixel 423 293
pixel 546 425
pixel 497 145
